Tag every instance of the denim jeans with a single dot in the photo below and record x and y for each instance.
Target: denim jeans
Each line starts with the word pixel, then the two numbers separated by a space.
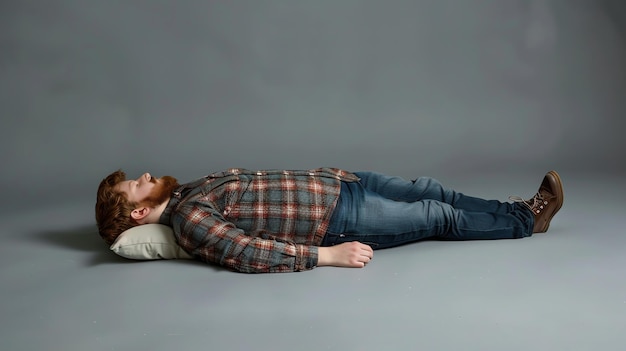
pixel 384 211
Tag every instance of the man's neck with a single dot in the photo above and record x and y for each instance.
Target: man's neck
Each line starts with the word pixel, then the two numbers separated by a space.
pixel 155 214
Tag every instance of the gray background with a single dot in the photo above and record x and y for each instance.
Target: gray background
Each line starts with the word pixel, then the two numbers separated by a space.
pixel 484 95
pixel 404 87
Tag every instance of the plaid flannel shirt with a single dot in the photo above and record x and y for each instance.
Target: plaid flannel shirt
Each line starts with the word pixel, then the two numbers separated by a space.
pixel 256 221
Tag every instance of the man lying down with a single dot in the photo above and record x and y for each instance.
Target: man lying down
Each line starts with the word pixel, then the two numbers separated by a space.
pixel 296 220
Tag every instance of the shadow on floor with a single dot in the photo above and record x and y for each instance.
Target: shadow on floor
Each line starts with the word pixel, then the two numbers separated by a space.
pixel 81 238
pixel 86 239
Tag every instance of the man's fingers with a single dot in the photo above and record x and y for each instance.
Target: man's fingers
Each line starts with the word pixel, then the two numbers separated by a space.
pixel 366 254
pixel 367 251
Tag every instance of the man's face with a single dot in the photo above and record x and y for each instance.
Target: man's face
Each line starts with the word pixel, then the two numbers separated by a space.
pixel 148 190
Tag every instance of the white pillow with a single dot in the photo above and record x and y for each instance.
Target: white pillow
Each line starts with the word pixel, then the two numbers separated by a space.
pixel 148 242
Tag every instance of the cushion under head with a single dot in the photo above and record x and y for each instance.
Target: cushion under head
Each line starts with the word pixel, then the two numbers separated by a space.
pixel 149 242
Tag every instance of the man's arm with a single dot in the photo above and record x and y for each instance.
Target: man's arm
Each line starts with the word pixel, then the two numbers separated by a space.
pixel 204 233
pixel 352 254
pixel 208 236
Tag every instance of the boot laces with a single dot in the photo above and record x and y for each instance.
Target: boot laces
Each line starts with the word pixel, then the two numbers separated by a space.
pixel 536 204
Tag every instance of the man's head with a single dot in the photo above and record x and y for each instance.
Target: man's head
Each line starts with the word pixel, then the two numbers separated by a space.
pixel 122 204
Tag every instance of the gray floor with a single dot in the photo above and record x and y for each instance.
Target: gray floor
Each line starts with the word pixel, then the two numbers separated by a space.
pixel 565 290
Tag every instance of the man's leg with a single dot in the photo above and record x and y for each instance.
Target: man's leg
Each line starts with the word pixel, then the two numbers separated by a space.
pixel 399 213
pixel 544 204
pixel 426 188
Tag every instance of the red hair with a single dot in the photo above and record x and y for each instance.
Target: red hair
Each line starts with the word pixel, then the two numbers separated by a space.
pixel 113 208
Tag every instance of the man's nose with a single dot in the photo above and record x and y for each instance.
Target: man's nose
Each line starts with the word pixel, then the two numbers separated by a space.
pixel 143 178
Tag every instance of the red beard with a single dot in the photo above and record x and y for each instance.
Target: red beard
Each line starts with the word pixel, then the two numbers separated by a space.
pixel 161 192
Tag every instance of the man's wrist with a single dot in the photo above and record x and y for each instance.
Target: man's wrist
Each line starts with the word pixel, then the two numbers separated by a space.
pixel 324 256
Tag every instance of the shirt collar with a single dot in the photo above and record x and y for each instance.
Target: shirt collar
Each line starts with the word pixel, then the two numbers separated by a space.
pixel 166 216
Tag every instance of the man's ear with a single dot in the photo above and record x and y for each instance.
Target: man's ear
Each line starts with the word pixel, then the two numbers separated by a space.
pixel 139 214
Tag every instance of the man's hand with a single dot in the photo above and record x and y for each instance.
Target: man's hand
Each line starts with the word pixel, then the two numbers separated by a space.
pixel 352 254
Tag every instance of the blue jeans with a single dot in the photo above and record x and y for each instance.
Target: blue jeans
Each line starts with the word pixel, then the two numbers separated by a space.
pixel 384 211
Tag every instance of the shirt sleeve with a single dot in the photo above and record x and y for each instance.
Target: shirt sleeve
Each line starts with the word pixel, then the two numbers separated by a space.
pixel 206 235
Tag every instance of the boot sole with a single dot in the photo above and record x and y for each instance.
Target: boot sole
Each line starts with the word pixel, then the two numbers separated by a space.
pixel 559 185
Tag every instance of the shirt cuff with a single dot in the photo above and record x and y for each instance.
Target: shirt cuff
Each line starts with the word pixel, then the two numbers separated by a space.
pixel 306 257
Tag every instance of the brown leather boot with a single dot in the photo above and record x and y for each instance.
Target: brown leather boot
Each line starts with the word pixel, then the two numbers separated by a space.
pixel 546 203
